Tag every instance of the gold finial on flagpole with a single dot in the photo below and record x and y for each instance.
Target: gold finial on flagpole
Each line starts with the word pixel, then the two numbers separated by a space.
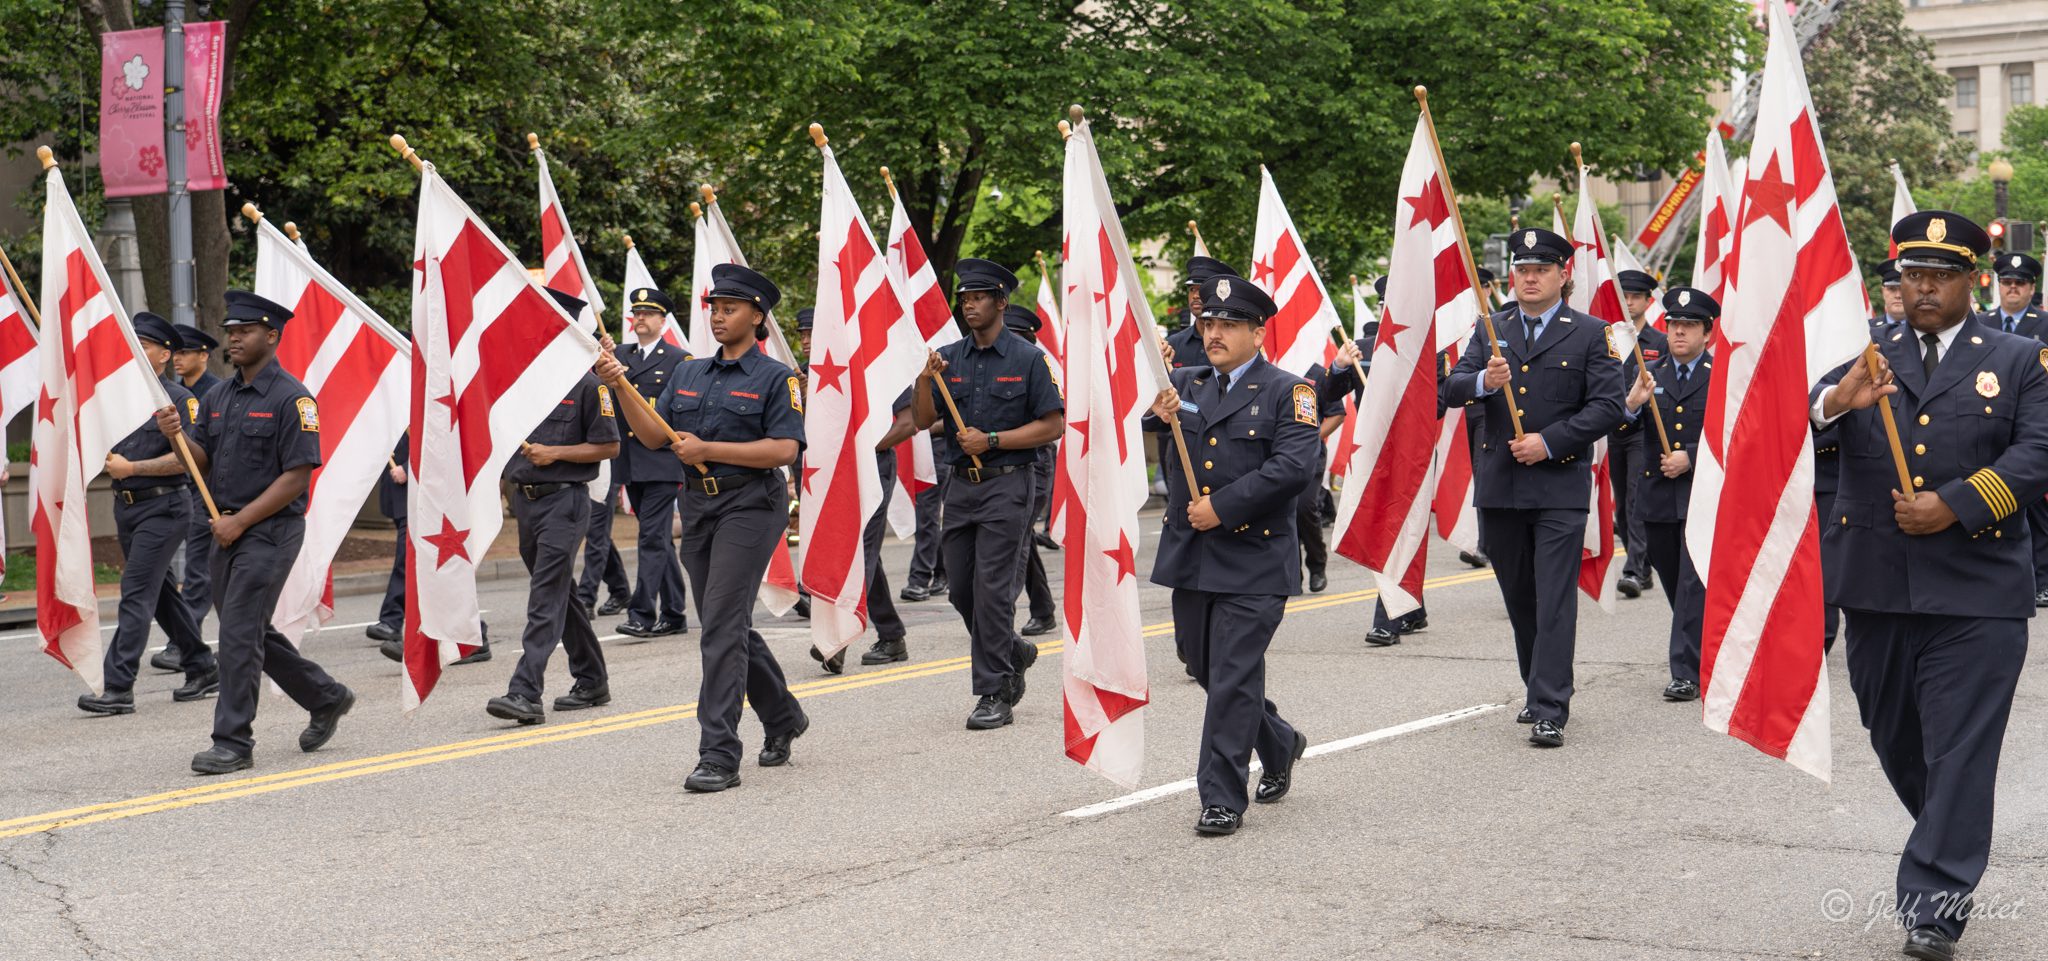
pixel 292 230
pixel 696 211
pixel 1075 114
pixel 1066 130
pixel 48 157
pixel 818 135
pixel 710 196
pixel 398 143
pixel 890 181
pixel 629 241
pixel 249 210
pixel 1578 158
pixel 532 141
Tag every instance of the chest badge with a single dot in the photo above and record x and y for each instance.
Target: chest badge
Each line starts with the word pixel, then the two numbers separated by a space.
pixel 1987 383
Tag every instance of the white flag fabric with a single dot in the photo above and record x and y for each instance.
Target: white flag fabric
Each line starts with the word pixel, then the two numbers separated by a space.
pixel 561 259
pixel 1113 371
pixel 1795 311
pixel 1717 213
pixel 1625 260
pixel 1051 329
pixel 1902 202
pixel 493 355
pixel 20 370
pixel 865 350
pixel 358 369
pixel 911 270
pixel 1595 292
pixel 1298 335
pixel 1383 518
pixel 638 276
pixel 96 389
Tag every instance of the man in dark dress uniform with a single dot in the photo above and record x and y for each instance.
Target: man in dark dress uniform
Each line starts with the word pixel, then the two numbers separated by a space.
pixel 257 441
pixel 1933 583
pixel 195 349
pixel 1893 309
pixel 1559 370
pixel 652 477
pixel 1677 384
pixel 1011 403
pixel 2018 277
pixel 1622 452
pixel 1228 550
pixel 151 521
pixel 548 485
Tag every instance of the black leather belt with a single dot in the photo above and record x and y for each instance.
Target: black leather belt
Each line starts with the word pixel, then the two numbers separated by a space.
pixel 148 493
pixel 724 482
pixel 535 492
pixel 975 475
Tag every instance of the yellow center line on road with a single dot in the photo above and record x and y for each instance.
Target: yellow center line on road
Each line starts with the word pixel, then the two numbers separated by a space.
pixel 528 737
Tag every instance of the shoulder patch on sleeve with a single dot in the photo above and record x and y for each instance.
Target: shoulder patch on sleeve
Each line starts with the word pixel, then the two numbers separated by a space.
pixel 1053 371
pixel 796 395
pixel 2044 358
pixel 192 408
pixel 1305 405
pixel 1611 351
pixel 309 414
pixel 604 401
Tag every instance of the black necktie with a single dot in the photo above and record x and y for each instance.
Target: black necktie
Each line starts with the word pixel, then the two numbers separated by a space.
pixel 2012 324
pixel 1683 372
pixel 1533 323
pixel 1932 357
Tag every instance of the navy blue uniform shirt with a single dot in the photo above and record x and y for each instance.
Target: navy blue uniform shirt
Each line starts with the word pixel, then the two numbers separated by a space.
pixel 1000 387
pixel 1568 387
pixel 148 443
pixel 733 401
pixel 255 432
pixel 584 416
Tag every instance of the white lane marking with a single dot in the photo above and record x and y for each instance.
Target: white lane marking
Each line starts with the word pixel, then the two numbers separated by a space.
pixel 1330 747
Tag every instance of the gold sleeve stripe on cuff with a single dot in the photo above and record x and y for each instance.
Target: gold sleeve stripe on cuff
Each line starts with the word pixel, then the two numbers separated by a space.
pixel 1996 495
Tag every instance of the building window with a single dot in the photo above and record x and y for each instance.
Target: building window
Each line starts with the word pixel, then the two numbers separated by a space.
pixel 2020 86
pixel 1966 92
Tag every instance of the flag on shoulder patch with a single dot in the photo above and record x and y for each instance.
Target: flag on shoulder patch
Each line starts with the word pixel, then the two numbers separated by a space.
pixel 1305 404
pixel 604 400
pixel 309 414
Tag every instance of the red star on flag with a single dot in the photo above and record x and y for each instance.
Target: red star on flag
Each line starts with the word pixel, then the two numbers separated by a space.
pixel 808 471
pixel 450 542
pixel 46 406
pixel 1262 273
pixel 1768 195
pixel 829 374
pixel 1126 559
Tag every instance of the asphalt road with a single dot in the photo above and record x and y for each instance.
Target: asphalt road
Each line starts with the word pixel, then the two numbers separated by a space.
pixel 1427 828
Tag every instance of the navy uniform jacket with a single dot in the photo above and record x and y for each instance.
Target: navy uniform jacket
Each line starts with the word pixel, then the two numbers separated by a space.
pixel 733 401
pixel 148 443
pixel 390 496
pixel 1827 462
pixel 2033 323
pixel 1569 388
pixel 1977 436
pixel 1661 499
pixel 1654 345
pixel 1254 452
pixel 583 416
pixel 255 432
pixel 1186 342
pixel 1000 388
pixel 649 370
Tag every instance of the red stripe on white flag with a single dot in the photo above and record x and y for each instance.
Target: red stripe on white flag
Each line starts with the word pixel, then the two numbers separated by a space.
pixel 561 259
pixel 911 270
pixel 1298 335
pixel 1595 292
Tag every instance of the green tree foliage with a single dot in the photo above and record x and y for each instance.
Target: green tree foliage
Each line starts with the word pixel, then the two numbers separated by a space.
pixel 640 101
pixel 2026 148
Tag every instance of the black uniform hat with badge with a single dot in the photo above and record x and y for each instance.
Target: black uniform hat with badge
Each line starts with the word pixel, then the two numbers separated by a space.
pixel 1379 286
pixel 1687 303
pixel 1023 320
pixel 153 329
pixel 1486 277
pixel 1201 270
pixel 805 318
pixel 1939 240
pixel 1534 245
pixel 977 274
pixel 734 282
pixel 247 308
pixel 1636 282
pixel 1231 297
pixel 648 298
pixel 2017 267
pixel 1888 272
pixel 192 338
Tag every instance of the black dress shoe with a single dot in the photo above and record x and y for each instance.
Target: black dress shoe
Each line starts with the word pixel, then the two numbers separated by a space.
pixel 710 778
pixel 1681 691
pixel 393 649
pixel 220 760
pixel 1546 734
pixel 477 656
pixel 109 703
pixel 1317 580
pixel 989 713
pixel 320 729
pixel 669 625
pixel 775 750
pixel 1411 624
pixel 1044 540
pixel 1628 587
pixel 167 661
pixel 1038 625
pixel 1473 559
pixel 580 697
pixel 938 588
pixel 515 707
pixel 1381 637
pixel 886 651
pixel 1524 717
pixel 612 605
pixel 831 665
pixel 1217 819
pixel 381 632
pixel 2040 600
pixel 633 628
pixel 913 593
pixel 200 686
pixel 801 609
pixel 1273 785
pixel 1927 944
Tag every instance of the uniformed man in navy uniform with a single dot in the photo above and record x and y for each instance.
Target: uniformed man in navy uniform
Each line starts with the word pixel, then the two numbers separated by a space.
pixel 548 484
pixel 1024 322
pixel 195 349
pixel 1933 582
pixel 1637 288
pixel 150 518
pixel 1894 311
pixel 2018 277
pixel 1186 339
pixel 739 419
pixel 1559 368
pixel 258 440
pixel 652 476
pixel 1007 394
pixel 1677 383
pixel 1228 550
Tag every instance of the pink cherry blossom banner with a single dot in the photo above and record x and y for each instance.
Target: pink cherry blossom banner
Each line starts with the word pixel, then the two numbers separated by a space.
pixel 132 109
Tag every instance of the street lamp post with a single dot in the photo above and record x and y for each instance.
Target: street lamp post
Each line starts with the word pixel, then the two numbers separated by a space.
pixel 2001 178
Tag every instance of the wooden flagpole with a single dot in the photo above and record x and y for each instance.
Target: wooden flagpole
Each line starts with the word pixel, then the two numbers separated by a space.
pixel 1891 425
pixel 1465 252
